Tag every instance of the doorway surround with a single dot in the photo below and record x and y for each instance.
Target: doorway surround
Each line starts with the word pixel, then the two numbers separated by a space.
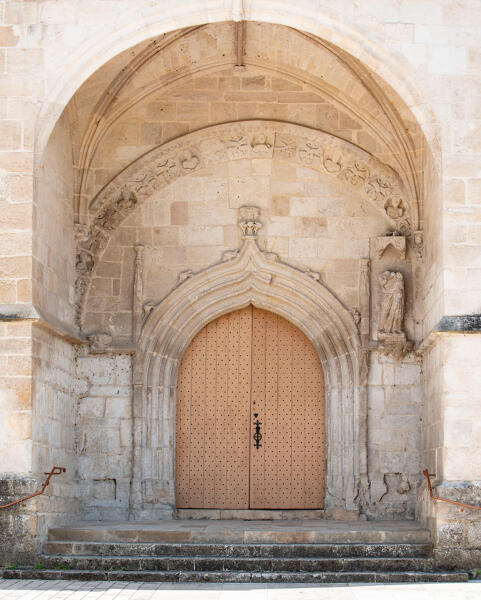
pixel 243 277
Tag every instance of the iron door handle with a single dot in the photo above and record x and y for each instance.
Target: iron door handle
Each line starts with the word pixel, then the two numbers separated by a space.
pixel 257 435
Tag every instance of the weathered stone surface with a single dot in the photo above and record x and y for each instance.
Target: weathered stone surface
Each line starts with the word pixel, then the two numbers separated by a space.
pixel 156 143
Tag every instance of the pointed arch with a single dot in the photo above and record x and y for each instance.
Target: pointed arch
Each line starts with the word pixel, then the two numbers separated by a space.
pixel 248 276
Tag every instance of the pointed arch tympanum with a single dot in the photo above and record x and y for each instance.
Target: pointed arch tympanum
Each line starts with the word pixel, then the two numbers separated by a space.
pixel 247 276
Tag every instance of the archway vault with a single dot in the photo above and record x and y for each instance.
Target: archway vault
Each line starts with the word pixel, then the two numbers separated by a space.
pixel 243 277
pixel 257 139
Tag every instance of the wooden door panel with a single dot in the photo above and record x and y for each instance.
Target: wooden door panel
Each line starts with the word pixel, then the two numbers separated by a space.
pixel 250 362
pixel 213 412
pixel 288 470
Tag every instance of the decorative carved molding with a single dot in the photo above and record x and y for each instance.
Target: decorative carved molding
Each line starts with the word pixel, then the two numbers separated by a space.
pixel 138 292
pixel 396 241
pixel 363 366
pixel 185 275
pixel 248 221
pixel 313 275
pixel 364 316
pixel 230 255
pixel 248 276
pixel 390 328
pixel 234 141
pixel 417 241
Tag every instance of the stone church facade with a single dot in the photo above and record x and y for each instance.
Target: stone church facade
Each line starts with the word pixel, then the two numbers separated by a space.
pixel 166 170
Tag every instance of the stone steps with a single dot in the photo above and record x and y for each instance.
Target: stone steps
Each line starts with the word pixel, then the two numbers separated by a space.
pixel 237 550
pixel 240 576
pixel 240 551
pixel 245 532
pixel 259 564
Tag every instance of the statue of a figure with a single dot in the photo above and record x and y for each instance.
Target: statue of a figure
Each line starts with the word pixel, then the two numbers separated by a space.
pixel 392 305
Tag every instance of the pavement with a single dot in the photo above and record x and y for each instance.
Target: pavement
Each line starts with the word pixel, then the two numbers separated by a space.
pixel 13 589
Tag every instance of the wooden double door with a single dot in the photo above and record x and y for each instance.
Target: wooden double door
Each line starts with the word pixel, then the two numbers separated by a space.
pixel 250 416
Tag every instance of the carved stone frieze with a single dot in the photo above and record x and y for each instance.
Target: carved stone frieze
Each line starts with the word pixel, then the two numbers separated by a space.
pixel 80 232
pixel 234 141
pixel 332 159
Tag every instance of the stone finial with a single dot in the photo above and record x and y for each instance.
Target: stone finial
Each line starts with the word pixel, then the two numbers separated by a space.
pixel 248 222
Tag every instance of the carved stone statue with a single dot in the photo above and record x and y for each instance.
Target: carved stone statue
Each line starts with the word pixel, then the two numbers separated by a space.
pixel 390 334
pixel 392 305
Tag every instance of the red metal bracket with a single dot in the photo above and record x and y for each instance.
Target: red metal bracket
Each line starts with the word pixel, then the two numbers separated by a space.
pixel 54 471
pixel 428 476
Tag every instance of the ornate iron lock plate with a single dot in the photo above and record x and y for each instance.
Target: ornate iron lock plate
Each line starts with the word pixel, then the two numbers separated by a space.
pixel 257 435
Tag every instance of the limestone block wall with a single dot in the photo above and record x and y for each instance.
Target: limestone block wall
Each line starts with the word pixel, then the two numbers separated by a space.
pixel 54 397
pixel 103 434
pixel 395 409
pixel 38 401
pixel 53 253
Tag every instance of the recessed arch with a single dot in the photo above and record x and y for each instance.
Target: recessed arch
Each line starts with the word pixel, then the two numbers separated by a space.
pixel 376 112
pixel 258 278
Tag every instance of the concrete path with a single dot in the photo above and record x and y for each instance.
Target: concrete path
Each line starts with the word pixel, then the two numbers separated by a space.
pixel 93 590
